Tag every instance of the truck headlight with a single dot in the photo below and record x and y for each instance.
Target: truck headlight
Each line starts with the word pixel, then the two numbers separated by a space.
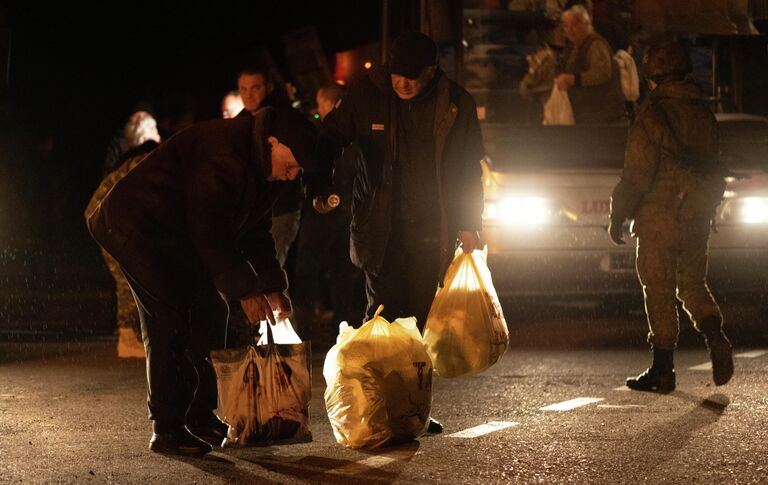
pixel 747 210
pixel 519 211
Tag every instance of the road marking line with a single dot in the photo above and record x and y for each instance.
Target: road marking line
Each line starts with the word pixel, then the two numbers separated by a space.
pixel 375 461
pixel 704 366
pixel 620 406
pixel 752 354
pixel 483 429
pixel 571 404
pixel 622 388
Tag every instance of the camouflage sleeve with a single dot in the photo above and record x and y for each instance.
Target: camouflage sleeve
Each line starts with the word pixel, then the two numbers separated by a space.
pixel 641 162
pixel 599 65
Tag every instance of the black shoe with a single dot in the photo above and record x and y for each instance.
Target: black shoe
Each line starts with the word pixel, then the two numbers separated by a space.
pixel 721 354
pixel 434 426
pixel 178 441
pixel 653 380
pixel 213 430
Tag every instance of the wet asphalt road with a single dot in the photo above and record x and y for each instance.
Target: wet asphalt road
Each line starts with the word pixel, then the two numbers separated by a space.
pixel 71 412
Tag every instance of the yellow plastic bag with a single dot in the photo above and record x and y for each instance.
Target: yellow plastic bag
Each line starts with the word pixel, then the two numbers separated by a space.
pixel 465 331
pixel 379 383
pixel 264 390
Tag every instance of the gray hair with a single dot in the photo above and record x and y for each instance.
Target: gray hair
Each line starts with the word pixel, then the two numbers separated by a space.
pixel 141 127
pixel 581 13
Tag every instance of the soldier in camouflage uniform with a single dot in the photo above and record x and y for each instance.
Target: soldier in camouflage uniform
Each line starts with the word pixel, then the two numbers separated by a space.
pixel 671 185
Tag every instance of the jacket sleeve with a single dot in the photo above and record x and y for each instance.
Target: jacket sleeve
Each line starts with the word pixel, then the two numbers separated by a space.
pixel 258 246
pixel 471 207
pixel 336 133
pixel 641 161
pixel 213 189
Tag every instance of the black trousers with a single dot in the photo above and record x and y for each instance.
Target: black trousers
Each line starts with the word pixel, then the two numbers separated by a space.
pixel 407 282
pixel 323 259
pixel 182 319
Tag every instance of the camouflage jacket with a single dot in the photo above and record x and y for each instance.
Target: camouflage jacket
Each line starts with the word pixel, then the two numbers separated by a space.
pixel 672 172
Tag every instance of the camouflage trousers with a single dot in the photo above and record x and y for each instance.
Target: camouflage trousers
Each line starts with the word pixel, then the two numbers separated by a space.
pixel 674 273
pixel 127 313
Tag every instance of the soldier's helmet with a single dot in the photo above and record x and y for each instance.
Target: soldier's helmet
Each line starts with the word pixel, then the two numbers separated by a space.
pixel 666 60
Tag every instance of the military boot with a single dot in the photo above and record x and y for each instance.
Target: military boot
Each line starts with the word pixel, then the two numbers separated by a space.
pixel 720 349
pixel 659 377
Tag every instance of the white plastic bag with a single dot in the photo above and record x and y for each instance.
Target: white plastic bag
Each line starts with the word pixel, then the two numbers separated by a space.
pixel 379 383
pixel 557 109
pixel 466 331
pixel 630 81
pixel 264 390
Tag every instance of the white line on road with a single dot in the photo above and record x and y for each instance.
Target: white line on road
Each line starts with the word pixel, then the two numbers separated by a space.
pixel 571 404
pixel 620 406
pixel 483 429
pixel 752 354
pixel 622 388
pixel 704 366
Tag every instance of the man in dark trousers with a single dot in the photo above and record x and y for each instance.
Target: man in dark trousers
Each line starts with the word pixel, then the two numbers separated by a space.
pixel 672 183
pixel 190 228
pixel 418 190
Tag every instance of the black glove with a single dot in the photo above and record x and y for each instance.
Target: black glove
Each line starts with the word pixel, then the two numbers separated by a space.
pixel 616 231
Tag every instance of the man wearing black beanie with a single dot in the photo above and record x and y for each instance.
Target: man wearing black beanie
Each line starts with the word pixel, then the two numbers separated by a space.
pixel 418 192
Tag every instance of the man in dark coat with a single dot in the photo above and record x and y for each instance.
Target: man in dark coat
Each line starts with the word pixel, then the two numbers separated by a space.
pixel 419 187
pixel 672 183
pixel 189 227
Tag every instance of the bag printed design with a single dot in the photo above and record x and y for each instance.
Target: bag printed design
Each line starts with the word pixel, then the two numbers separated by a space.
pixel 264 390
pixel 466 332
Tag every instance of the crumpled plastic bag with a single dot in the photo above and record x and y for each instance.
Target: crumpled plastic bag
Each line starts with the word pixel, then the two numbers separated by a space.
pixel 379 383
pixel 557 109
pixel 264 390
pixel 465 331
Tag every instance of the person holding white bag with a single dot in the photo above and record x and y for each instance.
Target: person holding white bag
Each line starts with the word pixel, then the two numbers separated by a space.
pixel 589 75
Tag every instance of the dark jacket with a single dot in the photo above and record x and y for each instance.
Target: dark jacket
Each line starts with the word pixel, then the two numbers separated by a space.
pixel 200 199
pixel 673 178
pixel 365 116
pixel 290 192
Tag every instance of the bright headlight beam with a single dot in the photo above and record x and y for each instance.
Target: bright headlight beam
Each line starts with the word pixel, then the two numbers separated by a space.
pixel 753 210
pixel 529 211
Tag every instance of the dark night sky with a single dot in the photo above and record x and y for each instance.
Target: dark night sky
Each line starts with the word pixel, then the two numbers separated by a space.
pixel 79 68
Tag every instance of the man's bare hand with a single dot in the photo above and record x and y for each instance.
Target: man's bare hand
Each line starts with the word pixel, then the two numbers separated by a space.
pixel 565 81
pixel 280 304
pixel 470 240
pixel 257 309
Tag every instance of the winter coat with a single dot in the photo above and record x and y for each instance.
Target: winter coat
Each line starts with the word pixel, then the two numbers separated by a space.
pixel 365 115
pixel 201 199
pixel 596 97
pixel 673 178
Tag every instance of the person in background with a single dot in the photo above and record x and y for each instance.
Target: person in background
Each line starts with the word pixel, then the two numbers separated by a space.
pixel 323 248
pixel 231 105
pixel 257 91
pixel 141 136
pixel 589 73
pixel 418 192
pixel 189 228
pixel 672 182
